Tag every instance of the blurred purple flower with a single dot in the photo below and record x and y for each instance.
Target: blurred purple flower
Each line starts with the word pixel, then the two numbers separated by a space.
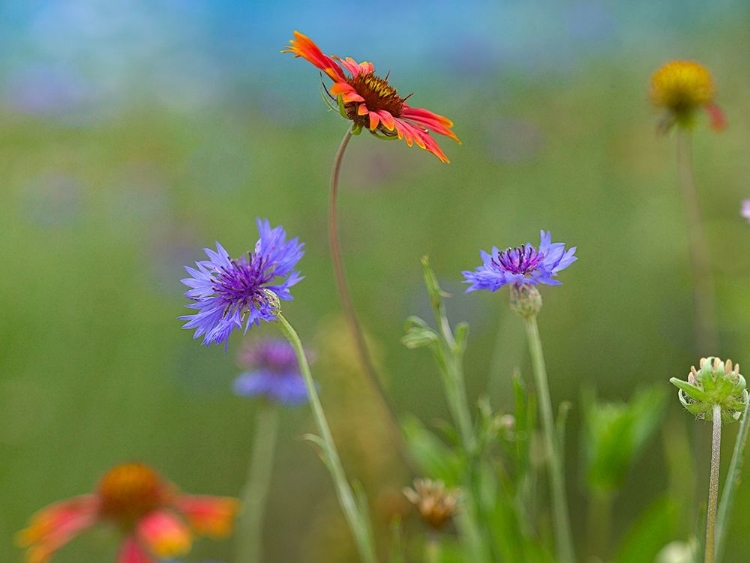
pixel 274 373
pixel 523 265
pixel 231 293
pixel 745 212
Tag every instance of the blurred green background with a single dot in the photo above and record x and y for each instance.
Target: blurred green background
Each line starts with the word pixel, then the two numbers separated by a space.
pixel 133 134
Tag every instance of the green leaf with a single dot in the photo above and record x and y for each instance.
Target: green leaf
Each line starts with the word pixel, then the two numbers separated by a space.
pixel 418 334
pixel 462 336
pixel 435 459
pixel 614 434
pixel 654 530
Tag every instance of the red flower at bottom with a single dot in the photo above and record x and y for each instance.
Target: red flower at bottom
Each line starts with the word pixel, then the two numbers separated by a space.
pixel 156 520
pixel 370 102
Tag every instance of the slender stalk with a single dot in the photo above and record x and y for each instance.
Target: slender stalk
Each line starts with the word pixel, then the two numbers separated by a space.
pixel 564 538
pixel 358 522
pixel 255 493
pixel 432 548
pixel 600 525
pixel 713 487
pixel 346 299
pixel 704 294
pixel 731 482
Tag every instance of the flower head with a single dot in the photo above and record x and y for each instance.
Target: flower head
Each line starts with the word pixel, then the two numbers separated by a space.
pixel 715 383
pixel 435 503
pixel 230 294
pixel 370 102
pixel 681 88
pixel 155 519
pixel 521 266
pixel 274 373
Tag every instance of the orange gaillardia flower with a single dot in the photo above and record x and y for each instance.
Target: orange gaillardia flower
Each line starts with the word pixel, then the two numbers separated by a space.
pixel 155 519
pixel 682 88
pixel 370 102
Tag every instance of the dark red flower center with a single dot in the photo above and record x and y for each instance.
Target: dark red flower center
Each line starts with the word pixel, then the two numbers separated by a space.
pixel 378 95
pixel 130 491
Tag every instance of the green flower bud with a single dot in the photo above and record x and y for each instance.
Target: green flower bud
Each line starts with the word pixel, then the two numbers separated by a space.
pixel 525 300
pixel 715 383
pixel 273 300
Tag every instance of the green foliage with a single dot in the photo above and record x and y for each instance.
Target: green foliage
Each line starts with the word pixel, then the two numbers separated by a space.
pixel 614 434
pixel 650 534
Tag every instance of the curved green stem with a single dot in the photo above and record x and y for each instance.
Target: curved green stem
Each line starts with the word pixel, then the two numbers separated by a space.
pixel 358 522
pixel 713 487
pixel 731 482
pixel 255 493
pixel 563 536
pixel 704 294
pixel 346 299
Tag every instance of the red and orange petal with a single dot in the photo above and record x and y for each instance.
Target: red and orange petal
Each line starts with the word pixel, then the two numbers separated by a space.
pixel 164 534
pixel 716 117
pixel 54 526
pixel 303 46
pixel 209 515
pixel 132 552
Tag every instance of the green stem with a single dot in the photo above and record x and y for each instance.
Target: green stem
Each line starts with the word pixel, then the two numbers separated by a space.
pixel 346 300
pixel 600 525
pixel 358 522
pixel 255 493
pixel 704 294
pixel 564 539
pixel 432 548
pixel 713 487
pixel 731 483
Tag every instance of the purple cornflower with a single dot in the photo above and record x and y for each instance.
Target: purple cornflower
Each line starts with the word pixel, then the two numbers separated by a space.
pixel 274 373
pixel 745 209
pixel 231 293
pixel 523 265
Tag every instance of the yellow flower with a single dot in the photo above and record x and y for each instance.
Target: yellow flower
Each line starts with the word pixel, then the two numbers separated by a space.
pixel 682 88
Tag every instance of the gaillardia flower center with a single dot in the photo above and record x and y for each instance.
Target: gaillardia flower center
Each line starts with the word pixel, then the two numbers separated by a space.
pixel 378 95
pixel 519 260
pixel 128 492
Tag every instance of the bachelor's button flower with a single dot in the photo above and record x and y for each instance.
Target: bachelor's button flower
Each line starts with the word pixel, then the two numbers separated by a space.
pixel 155 519
pixel 521 266
pixel 230 294
pixel 371 103
pixel 273 373
pixel 682 88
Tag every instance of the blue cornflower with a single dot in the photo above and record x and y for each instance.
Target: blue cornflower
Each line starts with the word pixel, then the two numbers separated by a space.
pixel 231 293
pixel 274 373
pixel 524 265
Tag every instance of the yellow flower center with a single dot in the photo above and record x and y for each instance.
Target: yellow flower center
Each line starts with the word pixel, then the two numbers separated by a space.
pixel 130 491
pixel 378 95
pixel 682 87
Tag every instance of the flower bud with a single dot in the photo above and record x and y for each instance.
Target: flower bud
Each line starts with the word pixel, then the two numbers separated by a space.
pixel 273 300
pixel 715 383
pixel 525 300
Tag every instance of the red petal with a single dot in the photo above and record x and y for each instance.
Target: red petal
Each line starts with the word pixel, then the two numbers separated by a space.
pixel 209 515
pixel 164 534
pixel 303 46
pixel 426 118
pixel 54 526
pixel 131 552
pixel 717 117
